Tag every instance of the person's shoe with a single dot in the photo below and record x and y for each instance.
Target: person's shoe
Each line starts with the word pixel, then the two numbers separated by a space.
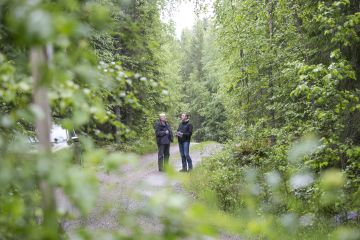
pixel 183 170
pixel 190 169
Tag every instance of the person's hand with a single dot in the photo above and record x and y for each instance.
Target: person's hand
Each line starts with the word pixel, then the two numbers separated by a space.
pixel 167 132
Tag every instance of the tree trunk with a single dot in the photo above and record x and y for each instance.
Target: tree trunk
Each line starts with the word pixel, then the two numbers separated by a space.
pixel 39 57
pixel 271 8
pixel 117 110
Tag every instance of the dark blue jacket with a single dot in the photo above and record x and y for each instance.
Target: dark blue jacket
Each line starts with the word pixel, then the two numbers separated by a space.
pixel 160 131
pixel 186 128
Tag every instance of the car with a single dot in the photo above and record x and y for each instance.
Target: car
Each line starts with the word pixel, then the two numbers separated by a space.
pixel 60 139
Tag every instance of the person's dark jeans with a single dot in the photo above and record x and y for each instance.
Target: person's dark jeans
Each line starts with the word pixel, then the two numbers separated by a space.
pixel 185 156
pixel 163 155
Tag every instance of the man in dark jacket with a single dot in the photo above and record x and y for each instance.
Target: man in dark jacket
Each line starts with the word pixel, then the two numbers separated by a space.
pixel 184 133
pixel 164 136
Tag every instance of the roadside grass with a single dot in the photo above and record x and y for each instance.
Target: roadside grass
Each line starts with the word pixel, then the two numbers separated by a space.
pixel 139 147
pixel 200 146
pixel 143 147
pixel 199 180
pixel 211 184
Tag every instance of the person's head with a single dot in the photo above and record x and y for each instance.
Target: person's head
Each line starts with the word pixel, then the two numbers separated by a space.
pixel 162 117
pixel 184 117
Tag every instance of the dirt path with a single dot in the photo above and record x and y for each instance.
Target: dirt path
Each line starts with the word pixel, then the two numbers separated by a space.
pixel 128 190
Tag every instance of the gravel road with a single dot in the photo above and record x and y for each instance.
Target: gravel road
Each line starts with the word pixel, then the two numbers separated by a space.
pixel 127 191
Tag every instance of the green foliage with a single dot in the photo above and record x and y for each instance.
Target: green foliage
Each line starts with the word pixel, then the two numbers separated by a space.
pixel 277 79
pixel 289 71
pixel 200 72
pixel 86 86
pixel 297 201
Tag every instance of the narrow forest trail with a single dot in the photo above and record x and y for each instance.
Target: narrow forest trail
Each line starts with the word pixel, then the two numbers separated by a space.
pixel 126 192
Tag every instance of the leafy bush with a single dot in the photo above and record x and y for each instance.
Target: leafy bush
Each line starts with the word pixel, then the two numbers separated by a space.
pixel 253 185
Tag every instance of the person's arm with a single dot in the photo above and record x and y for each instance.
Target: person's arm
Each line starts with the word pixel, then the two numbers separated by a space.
pixel 178 132
pixel 159 132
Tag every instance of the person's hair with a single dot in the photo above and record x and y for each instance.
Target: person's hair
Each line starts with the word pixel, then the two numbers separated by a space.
pixel 162 115
pixel 187 115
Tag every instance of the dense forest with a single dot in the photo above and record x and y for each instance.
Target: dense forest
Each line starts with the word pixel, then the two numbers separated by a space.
pixel 276 82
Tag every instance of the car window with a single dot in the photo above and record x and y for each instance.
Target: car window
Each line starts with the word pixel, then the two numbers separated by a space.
pixel 32 139
pixel 72 134
pixel 58 134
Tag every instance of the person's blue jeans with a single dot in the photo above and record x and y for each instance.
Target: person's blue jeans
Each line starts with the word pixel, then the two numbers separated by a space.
pixel 185 156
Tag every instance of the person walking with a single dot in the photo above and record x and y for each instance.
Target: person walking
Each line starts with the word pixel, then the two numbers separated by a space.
pixel 164 136
pixel 184 133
